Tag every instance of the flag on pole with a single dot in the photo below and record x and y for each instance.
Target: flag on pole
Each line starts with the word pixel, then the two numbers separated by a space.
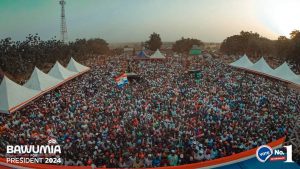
pixel 124 78
pixel 121 80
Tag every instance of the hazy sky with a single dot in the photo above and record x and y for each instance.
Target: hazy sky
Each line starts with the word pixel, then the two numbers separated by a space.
pixel 135 20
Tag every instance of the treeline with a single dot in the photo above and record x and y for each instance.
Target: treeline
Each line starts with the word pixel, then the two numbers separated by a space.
pixel 185 44
pixel 255 45
pixel 182 45
pixel 19 57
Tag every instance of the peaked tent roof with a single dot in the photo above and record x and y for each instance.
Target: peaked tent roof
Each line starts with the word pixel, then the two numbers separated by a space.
pixel 13 95
pixel 243 62
pixel 59 72
pixel 41 81
pixel 142 54
pixel 285 72
pixel 76 67
pixel 157 55
pixel 262 66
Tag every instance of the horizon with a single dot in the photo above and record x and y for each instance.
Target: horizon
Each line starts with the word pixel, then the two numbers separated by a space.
pixel 133 20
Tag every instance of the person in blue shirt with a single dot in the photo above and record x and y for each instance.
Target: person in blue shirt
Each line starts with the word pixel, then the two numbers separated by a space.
pixel 156 161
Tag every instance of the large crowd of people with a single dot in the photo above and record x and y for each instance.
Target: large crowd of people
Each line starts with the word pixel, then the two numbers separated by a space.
pixel 164 118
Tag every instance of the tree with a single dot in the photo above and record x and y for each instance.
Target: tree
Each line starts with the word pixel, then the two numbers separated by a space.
pixel 35 52
pixel 294 33
pixel 254 45
pixel 295 47
pixel 154 42
pixel 1 74
pixel 232 45
pixel 97 46
pixel 247 42
pixel 184 45
pixel 283 47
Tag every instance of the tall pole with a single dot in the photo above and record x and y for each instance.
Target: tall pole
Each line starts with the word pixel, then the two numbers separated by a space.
pixel 63 25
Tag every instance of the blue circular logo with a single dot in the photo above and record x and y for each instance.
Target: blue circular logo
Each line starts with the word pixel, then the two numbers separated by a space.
pixel 263 153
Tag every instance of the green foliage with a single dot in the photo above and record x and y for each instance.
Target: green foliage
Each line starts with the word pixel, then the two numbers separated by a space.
pixel 154 42
pixel 247 42
pixel 254 45
pixel 19 57
pixel 283 47
pixel 294 33
pixel 184 45
pixel 295 47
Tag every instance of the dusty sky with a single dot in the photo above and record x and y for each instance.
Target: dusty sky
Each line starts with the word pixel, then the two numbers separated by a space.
pixel 135 20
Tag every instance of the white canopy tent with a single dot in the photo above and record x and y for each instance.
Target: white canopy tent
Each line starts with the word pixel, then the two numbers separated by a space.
pixel 59 72
pixel 243 62
pixel 14 96
pixel 157 55
pixel 296 80
pixel 76 67
pixel 284 72
pixel 262 66
pixel 41 81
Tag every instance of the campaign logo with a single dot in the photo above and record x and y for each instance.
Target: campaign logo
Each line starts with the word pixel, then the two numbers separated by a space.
pixel 279 155
pixel 48 153
pixel 263 153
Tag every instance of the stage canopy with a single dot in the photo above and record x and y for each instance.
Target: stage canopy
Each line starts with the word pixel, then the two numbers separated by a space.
pixel 41 81
pixel 14 96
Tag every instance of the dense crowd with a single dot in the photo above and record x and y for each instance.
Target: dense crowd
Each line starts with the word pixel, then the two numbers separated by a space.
pixel 165 118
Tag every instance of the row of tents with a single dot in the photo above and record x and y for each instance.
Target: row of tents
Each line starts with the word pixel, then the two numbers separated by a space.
pixel 156 55
pixel 14 96
pixel 194 51
pixel 283 72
